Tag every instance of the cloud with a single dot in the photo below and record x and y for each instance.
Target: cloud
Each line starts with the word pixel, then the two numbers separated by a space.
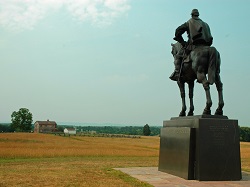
pixel 98 12
pixel 25 14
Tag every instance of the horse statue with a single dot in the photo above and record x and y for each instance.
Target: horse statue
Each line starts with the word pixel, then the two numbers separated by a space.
pixel 204 65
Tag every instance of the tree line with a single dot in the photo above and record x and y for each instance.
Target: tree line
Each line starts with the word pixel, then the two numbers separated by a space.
pixel 245 134
pixel 21 121
pixel 128 130
pixel 145 130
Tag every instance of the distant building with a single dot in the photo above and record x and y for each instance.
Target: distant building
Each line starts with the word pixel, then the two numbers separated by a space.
pixel 45 126
pixel 92 132
pixel 71 131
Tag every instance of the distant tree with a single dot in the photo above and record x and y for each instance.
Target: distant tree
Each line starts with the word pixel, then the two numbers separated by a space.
pixel 60 128
pixel 21 120
pixel 245 134
pixel 4 128
pixel 155 130
pixel 146 130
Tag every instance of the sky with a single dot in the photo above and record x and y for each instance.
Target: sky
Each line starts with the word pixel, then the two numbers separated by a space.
pixel 109 61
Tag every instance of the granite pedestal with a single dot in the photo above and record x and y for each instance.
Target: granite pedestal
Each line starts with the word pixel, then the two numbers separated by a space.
pixel 204 148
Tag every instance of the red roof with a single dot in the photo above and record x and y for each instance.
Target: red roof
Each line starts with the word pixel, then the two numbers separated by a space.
pixel 46 122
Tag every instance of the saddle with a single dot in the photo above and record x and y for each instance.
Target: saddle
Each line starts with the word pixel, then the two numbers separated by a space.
pixel 186 56
pixel 187 59
pixel 188 49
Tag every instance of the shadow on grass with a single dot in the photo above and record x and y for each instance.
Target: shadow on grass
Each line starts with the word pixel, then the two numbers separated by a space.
pixel 126 178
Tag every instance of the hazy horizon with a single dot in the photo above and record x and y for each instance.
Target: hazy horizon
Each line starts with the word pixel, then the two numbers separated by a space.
pixel 94 124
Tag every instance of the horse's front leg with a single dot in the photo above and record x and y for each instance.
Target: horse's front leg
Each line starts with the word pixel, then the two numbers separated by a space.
pixel 191 95
pixel 182 92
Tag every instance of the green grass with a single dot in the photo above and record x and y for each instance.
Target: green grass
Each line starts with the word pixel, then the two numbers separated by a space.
pixel 127 178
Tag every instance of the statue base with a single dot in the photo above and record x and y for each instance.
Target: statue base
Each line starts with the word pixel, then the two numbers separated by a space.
pixel 204 148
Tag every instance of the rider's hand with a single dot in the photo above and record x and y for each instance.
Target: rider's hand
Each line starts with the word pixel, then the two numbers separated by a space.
pixel 184 44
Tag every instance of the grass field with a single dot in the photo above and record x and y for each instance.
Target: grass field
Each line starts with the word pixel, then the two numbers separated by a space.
pixel 49 160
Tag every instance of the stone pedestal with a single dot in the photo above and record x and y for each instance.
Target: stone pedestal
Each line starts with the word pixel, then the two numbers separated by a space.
pixel 201 147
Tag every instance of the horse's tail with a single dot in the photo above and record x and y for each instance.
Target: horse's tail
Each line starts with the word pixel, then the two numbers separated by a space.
pixel 213 65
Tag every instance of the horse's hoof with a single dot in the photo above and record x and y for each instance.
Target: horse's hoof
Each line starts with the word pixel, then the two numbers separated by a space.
pixel 190 113
pixel 182 114
pixel 206 112
pixel 219 112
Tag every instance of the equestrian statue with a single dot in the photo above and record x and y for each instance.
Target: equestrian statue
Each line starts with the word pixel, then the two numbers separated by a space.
pixel 196 59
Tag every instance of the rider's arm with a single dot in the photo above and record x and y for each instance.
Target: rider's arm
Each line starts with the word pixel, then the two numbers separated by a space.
pixel 210 42
pixel 179 31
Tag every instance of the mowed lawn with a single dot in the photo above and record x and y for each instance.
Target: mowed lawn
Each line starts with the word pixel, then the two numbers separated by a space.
pixel 47 160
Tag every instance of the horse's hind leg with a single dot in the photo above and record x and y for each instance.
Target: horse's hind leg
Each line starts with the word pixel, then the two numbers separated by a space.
pixel 182 91
pixel 191 95
pixel 207 109
pixel 202 79
pixel 219 87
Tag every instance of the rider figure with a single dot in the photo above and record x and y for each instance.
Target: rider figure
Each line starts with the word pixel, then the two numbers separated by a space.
pixel 198 35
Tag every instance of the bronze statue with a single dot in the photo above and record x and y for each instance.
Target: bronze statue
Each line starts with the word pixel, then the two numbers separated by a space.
pixel 195 59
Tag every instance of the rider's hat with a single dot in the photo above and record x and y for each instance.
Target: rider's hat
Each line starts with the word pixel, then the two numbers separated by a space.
pixel 195 12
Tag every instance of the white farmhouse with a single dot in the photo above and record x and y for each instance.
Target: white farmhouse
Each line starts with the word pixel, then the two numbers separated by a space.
pixel 70 131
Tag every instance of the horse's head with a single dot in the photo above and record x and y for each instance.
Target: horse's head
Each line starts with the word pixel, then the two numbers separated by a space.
pixel 176 48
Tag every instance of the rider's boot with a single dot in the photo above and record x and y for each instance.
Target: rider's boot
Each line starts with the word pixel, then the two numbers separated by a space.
pixel 175 75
